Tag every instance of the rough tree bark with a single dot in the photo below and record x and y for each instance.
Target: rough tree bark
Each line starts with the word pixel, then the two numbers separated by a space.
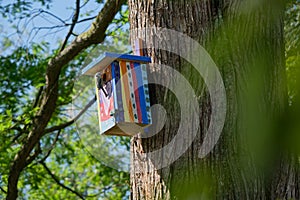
pixel 245 39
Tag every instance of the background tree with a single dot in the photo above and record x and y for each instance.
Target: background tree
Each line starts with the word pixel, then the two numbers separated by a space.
pixel 41 155
pixel 252 159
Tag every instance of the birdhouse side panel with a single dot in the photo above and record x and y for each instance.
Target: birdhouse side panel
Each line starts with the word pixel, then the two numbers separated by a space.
pixel 105 99
pixel 143 92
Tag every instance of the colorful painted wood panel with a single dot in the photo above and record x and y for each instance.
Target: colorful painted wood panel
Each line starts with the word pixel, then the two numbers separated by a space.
pixel 122 94
pixel 105 99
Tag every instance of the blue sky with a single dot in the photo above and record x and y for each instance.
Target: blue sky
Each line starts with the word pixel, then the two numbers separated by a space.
pixel 60 8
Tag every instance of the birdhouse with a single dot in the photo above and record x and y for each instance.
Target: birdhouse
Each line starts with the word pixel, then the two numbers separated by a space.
pixel 122 93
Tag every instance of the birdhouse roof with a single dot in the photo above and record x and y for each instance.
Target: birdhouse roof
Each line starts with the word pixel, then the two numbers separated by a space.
pixel 107 58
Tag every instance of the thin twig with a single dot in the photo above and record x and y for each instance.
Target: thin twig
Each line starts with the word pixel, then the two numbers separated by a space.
pixel 3 190
pixel 87 19
pixel 48 27
pixel 50 32
pixel 54 177
pixel 51 148
pixel 56 17
pixel 84 4
pixel 62 126
pixel 74 21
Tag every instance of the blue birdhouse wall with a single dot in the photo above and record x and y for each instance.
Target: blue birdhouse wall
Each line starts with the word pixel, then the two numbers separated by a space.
pixel 122 93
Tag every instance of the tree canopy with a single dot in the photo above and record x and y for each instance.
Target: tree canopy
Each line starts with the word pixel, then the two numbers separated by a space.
pixel 57 166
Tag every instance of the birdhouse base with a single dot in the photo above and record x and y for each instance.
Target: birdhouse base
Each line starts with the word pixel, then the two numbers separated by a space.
pixel 126 129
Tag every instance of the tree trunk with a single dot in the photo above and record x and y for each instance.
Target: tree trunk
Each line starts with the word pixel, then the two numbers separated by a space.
pixel 245 39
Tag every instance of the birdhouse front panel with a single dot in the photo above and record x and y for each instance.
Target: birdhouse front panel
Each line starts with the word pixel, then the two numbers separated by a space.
pixel 105 99
pixel 122 93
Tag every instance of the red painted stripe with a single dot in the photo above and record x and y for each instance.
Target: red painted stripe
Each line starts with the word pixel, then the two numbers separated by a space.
pixel 136 92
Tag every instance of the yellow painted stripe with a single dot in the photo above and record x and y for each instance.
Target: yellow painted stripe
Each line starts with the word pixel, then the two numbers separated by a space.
pixel 128 113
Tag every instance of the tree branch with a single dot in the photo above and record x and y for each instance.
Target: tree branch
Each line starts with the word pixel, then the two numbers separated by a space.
pixel 74 21
pixel 59 183
pixel 62 126
pixel 95 35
